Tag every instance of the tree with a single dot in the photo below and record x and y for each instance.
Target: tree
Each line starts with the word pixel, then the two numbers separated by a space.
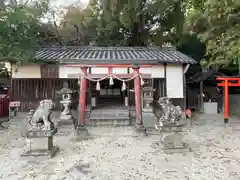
pixel 192 46
pixel 217 24
pixel 144 22
pixel 19 30
pixel 102 22
pixel 124 22
pixel 79 26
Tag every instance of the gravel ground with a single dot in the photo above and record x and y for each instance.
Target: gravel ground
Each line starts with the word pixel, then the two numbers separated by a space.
pixel 115 154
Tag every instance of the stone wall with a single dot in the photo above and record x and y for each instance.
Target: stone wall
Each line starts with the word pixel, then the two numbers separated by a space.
pixel 234 104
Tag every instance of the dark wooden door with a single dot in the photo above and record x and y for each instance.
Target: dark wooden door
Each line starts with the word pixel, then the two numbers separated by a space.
pixel 49 71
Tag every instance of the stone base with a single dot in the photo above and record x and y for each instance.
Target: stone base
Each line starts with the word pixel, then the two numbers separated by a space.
pixel 42 152
pixel 176 149
pixel 148 117
pixel 81 133
pixel 40 133
pixel 65 122
pixel 66 117
pixel 140 130
pixel 189 121
pixel 225 120
pixel 171 128
pixel 173 143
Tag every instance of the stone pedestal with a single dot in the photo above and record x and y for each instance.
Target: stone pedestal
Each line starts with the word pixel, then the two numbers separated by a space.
pixel 139 131
pixel 167 127
pixel 33 134
pixel 171 138
pixel 149 119
pixel 80 133
pixel 173 143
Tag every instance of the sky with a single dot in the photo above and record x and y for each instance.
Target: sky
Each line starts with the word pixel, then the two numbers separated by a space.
pixel 68 2
pixel 60 4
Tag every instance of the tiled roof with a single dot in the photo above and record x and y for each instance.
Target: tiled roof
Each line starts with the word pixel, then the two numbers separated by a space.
pixel 119 55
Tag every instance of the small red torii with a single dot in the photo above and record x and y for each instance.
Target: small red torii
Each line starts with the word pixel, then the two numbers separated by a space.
pixel 227 81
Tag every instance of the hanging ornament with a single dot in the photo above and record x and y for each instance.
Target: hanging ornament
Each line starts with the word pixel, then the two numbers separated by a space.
pixel 111 82
pixel 123 86
pixel 98 88
pixel 142 82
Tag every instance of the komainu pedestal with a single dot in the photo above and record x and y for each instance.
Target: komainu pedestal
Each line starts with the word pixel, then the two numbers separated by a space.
pixel 39 125
pixel 171 138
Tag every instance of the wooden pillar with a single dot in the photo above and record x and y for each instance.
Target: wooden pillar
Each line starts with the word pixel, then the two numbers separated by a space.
pixel 226 101
pixel 82 98
pixel 137 85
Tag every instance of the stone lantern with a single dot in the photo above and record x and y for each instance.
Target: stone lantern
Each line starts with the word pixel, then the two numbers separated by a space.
pixel 147 98
pixel 66 96
pixel 147 110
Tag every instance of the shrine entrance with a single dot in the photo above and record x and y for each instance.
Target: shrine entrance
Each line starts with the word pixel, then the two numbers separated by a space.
pixel 106 81
pixel 110 95
pixel 110 100
pixel 110 104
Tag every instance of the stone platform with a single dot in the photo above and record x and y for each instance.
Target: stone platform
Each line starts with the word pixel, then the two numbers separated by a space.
pixel 50 151
pixel 41 152
pixel 171 138
pixel 40 133
pixel 184 148
pixel 171 128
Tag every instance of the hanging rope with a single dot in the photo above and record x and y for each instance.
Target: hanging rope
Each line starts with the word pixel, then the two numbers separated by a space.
pixel 111 82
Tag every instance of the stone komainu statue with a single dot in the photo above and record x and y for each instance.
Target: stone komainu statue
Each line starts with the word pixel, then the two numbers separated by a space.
pixel 41 118
pixel 164 110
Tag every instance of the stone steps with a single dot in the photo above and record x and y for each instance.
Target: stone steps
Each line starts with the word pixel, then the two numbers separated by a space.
pixel 110 116
pixel 110 122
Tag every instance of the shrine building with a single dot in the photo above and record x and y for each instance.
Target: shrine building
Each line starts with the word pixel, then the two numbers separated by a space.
pixel 105 77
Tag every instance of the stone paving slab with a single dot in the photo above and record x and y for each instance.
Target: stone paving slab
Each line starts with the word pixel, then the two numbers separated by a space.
pixel 115 154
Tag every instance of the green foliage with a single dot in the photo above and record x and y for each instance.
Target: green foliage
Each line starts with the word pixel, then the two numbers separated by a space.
pixel 102 22
pixel 79 26
pixel 191 46
pixel 18 30
pixel 125 22
pixel 217 24
pixel 153 22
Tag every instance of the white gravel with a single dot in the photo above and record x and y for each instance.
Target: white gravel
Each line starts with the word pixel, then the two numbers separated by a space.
pixel 115 154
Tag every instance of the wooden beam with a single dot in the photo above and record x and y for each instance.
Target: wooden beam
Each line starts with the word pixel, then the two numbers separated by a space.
pixel 112 65
pixel 122 76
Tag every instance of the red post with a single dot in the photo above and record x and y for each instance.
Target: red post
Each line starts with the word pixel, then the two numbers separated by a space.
pixel 225 101
pixel 110 70
pixel 137 85
pixel 82 98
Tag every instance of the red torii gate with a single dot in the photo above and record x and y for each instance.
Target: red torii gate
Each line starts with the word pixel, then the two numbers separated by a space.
pixel 226 82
